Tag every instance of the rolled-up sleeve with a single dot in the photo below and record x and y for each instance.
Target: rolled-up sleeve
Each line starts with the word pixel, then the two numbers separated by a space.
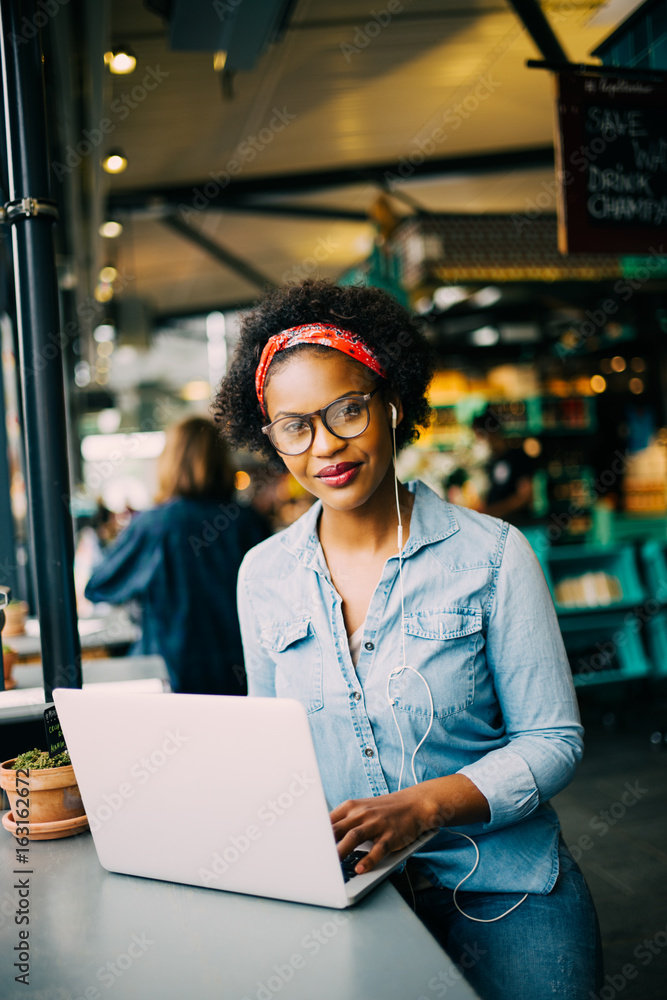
pixel 260 668
pixel 533 683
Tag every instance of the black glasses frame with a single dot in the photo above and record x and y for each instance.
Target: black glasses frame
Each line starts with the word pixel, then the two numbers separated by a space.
pixel 322 414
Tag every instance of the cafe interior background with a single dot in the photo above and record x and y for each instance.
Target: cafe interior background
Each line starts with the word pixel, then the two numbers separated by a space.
pixel 199 155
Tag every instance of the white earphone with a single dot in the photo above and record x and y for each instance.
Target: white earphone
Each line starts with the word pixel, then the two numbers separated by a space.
pixel 392 701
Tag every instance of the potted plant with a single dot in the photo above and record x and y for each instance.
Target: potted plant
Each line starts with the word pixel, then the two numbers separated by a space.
pixel 43 795
pixel 16 613
pixel 9 658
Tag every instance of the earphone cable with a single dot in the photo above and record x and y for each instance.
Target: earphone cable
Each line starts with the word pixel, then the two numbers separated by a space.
pixel 399 670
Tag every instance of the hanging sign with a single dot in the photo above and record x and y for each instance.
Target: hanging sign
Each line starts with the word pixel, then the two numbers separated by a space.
pixel 611 159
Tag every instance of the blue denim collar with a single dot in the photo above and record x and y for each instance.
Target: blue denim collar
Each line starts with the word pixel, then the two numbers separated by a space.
pixel 432 520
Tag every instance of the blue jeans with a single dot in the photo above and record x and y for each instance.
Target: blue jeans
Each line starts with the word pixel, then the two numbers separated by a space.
pixel 547 949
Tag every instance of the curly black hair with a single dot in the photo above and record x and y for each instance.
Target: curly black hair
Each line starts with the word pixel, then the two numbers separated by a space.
pixel 388 329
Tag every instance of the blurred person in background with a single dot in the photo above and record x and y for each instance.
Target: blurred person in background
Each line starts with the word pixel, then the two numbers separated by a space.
pixel 510 473
pixel 180 562
pixel 93 534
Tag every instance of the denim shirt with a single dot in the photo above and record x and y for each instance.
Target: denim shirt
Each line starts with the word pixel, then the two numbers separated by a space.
pixel 481 629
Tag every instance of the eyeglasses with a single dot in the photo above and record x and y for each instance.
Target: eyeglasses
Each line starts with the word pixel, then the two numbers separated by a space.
pixel 346 417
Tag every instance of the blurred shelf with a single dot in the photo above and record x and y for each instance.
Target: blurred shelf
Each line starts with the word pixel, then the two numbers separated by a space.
pixel 656 634
pixel 604 651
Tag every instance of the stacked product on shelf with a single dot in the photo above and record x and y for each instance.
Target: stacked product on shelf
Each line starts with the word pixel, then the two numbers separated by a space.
pixel 592 590
pixel 645 483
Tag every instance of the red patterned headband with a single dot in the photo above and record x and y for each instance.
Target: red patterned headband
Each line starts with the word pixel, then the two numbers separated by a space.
pixel 314 333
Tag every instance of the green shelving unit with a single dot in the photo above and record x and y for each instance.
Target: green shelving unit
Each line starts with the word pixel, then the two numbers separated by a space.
pixel 603 649
pixel 656 634
pixel 654 560
pixel 604 642
pixel 636 528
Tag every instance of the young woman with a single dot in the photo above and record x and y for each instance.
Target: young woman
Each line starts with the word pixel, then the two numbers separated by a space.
pixel 438 690
pixel 180 562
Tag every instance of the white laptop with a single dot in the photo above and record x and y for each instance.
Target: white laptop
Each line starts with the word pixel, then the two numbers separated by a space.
pixel 210 790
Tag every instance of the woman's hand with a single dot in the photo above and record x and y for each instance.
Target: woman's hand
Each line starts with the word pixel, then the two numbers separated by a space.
pixel 392 821
pixel 395 820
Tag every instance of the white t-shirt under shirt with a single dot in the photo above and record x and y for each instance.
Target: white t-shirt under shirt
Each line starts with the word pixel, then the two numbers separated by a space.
pixel 354 641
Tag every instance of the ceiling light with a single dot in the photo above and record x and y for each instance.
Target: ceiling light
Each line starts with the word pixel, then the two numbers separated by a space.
pixel 82 374
pixel 486 296
pixel 103 292
pixel 486 336
pixel 449 295
pixel 68 279
pixel 423 304
pixel 121 60
pixel 110 229
pixel 108 420
pixel 114 162
pixel 105 447
pixel 104 332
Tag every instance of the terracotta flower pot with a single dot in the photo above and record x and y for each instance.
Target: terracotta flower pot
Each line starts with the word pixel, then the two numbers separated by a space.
pixel 53 794
pixel 9 659
pixel 15 616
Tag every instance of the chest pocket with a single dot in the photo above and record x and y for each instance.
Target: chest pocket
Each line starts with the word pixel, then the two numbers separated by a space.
pixel 297 654
pixel 443 646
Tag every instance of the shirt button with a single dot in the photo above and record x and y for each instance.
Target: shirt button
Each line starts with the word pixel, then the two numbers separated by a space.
pixel 369 752
pixel 356 696
pixel 369 645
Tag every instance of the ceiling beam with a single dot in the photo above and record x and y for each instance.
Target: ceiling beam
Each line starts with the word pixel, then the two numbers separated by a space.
pixel 223 256
pixel 168 316
pixel 532 17
pixel 193 197
pixel 326 23
pixel 300 211
pixel 403 16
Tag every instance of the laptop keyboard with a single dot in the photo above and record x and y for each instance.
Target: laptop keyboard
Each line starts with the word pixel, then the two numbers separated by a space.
pixel 349 863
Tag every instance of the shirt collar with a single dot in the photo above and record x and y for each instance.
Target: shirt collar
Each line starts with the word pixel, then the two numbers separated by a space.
pixel 432 520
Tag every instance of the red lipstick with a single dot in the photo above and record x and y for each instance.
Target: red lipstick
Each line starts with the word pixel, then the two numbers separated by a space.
pixel 339 475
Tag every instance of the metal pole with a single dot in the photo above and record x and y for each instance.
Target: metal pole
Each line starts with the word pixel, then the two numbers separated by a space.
pixel 5 598
pixel 8 565
pixel 31 215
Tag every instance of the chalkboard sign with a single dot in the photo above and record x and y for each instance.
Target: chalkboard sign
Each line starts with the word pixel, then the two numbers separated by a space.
pixel 612 165
pixel 54 735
